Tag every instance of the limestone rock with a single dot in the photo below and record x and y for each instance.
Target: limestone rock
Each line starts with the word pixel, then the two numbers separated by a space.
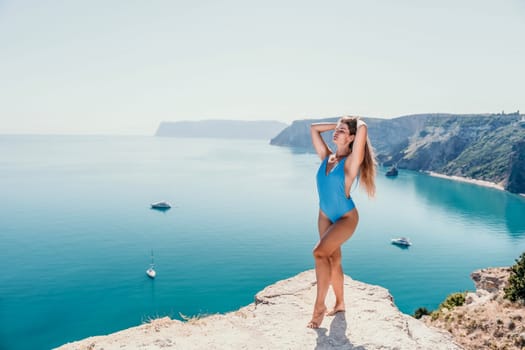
pixel 491 280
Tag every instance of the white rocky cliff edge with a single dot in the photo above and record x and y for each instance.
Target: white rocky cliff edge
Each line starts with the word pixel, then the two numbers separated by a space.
pixel 277 320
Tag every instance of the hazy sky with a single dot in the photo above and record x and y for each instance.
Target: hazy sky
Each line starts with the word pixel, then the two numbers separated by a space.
pixel 122 67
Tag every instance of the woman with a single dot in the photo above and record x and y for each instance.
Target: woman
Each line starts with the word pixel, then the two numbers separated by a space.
pixel 352 161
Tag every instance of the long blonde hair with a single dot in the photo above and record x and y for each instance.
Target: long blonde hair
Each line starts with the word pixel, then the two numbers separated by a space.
pixel 367 170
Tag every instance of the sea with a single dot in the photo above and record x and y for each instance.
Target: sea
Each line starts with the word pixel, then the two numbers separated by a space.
pixel 77 232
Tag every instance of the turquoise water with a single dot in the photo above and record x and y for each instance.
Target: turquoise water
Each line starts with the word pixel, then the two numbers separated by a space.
pixel 76 231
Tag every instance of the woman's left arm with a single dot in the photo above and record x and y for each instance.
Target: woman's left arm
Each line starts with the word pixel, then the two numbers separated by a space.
pixel 358 154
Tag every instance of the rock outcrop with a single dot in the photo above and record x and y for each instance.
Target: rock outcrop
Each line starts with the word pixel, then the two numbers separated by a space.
pixel 486 320
pixel 277 320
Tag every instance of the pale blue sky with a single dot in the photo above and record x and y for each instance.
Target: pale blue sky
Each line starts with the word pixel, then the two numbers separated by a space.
pixel 122 67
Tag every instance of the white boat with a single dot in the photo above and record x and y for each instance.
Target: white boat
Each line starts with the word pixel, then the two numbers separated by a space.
pixel 151 271
pixel 402 241
pixel 161 205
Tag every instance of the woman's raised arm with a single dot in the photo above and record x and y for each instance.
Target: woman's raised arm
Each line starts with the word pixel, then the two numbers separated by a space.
pixel 358 154
pixel 317 140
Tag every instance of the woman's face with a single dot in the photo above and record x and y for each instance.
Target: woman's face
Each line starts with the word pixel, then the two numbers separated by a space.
pixel 342 134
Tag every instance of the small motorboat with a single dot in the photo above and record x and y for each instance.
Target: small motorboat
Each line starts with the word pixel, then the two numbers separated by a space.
pixel 401 241
pixel 151 271
pixel 161 205
pixel 392 172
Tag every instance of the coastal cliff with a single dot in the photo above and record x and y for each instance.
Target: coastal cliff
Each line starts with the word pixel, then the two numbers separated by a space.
pixel 488 147
pixel 277 320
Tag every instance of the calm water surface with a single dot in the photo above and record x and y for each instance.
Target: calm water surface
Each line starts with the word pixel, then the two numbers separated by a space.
pixel 76 231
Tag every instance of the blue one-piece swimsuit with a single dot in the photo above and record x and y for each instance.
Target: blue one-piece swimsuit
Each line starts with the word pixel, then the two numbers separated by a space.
pixel 331 188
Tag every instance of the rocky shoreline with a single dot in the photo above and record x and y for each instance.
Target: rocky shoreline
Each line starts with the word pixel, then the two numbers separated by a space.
pixel 277 320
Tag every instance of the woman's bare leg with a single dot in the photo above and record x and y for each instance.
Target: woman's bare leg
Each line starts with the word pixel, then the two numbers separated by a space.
pixel 337 279
pixel 337 276
pixel 333 238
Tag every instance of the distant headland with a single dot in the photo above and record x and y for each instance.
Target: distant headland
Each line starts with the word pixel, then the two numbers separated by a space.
pixel 229 129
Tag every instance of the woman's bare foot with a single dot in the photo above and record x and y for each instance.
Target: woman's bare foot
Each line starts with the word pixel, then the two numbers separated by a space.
pixel 317 318
pixel 337 308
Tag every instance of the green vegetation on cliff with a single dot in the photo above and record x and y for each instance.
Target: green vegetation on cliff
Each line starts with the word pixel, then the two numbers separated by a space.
pixel 515 291
pixel 453 300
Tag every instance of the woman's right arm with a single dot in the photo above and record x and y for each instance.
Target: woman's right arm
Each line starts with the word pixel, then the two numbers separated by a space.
pixel 319 145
